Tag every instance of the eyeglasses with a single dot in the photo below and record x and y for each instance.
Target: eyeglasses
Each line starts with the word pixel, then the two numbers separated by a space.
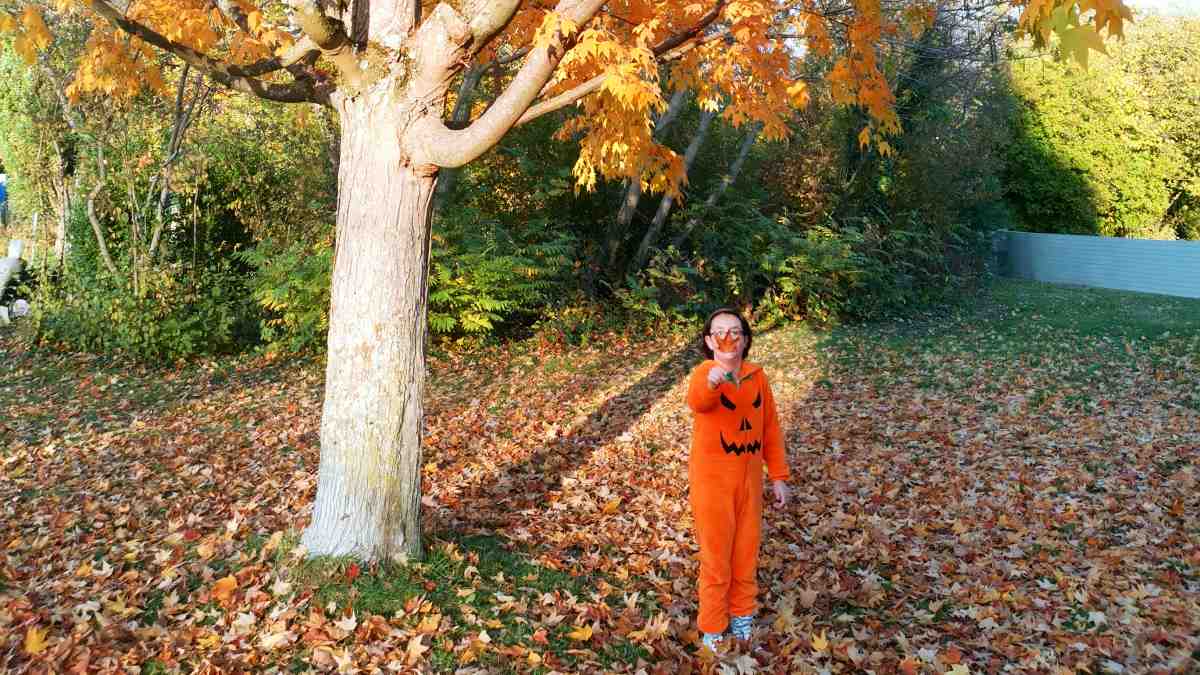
pixel 729 333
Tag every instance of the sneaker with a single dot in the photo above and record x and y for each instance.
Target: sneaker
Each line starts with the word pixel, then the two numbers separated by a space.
pixel 741 626
pixel 712 640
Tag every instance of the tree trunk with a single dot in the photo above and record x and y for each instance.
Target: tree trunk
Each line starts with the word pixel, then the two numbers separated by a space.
pixel 97 228
pixel 726 181
pixel 60 226
pixel 61 203
pixel 633 191
pixel 664 206
pixel 368 493
pixel 461 115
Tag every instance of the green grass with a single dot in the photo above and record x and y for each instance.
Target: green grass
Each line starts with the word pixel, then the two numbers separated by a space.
pixel 467 580
pixel 1091 312
pixel 1019 326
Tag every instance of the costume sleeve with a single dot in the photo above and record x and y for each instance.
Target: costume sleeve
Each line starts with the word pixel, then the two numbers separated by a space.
pixel 774 453
pixel 699 397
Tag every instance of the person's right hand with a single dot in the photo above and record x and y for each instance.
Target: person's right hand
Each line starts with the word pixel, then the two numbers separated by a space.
pixel 715 375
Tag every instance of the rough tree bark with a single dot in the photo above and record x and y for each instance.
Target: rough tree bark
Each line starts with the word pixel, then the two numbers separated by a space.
pixel 368 495
pixel 369 486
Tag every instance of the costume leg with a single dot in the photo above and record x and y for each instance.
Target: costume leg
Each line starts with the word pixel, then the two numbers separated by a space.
pixel 713 513
pixel 743 591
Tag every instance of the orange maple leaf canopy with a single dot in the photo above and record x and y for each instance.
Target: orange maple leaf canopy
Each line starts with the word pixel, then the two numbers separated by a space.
pixel 742 57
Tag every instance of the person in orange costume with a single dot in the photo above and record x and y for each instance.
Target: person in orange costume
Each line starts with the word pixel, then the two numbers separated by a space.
pixel 735 430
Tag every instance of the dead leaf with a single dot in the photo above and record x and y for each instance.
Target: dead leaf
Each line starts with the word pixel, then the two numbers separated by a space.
pixel 223 589
pixel 581 634
pixel 414 650
pixel 35 640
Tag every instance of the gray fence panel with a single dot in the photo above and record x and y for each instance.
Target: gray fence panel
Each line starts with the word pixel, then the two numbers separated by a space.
pixel 1148 266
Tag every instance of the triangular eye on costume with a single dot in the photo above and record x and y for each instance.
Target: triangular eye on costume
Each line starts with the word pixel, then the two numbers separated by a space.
pixel 758 400
pixel 727 403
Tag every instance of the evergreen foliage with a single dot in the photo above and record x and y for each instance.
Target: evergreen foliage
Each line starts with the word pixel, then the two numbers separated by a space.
pixel 1114 150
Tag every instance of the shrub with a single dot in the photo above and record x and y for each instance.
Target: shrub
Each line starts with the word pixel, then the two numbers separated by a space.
pixel 816 279
pixel 858 268
pixel 913 266
pixel 177 315
pixel 291 285
pixel 481 274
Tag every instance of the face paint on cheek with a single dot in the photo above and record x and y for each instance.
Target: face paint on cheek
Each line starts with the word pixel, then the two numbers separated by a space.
pixel 726 343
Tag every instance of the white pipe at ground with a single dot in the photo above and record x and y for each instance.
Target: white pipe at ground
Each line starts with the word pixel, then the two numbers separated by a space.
pixel 10 267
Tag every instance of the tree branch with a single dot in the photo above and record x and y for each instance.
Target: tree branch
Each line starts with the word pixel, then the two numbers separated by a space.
pixel 97 228
pixel 633 192
pixel 577 92
pixel 431 142
pixel 303 48
pixel 295 53
pixel 331 37
pixel 726 180
pixel 683 36
pixel 226 74
pixel 184 117
pixel 487 18
pixel 235 14
pixel 668 200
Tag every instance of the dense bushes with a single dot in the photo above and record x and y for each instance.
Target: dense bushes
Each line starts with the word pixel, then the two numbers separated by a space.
pixel 1114 150
pixel 290 283
pixel 177 316
pixel 859 269
pixel 480 275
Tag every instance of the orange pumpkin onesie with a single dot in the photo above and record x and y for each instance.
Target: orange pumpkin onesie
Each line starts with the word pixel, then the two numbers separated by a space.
pixel 735 429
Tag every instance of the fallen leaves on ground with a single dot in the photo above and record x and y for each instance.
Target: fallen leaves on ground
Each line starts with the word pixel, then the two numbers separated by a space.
pixel 976 494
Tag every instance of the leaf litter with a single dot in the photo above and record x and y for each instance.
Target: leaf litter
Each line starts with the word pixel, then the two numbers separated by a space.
pixel 973 494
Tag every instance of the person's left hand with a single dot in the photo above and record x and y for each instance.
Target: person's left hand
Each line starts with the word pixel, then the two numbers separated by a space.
pixel 781 491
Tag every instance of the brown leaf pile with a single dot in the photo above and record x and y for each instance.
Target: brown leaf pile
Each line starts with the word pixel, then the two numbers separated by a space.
pixel 969 497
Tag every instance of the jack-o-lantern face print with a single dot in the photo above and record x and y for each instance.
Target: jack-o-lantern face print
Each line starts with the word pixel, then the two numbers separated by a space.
pixel 743 439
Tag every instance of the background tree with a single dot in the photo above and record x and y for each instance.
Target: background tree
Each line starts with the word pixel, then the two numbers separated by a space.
pixel 1108 151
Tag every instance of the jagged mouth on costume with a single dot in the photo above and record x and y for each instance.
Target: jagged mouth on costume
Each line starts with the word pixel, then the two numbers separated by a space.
pixel 739 448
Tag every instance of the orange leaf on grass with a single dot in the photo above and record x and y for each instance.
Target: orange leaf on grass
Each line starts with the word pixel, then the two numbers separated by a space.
pixel 223 590
pixel 582 634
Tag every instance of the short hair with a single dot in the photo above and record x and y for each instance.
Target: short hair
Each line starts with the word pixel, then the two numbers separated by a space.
pixel 746 332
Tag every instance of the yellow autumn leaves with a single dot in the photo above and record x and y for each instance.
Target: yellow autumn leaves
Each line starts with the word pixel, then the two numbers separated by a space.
pixel 35 640
pixel 118 66
pixel 615 130
pixel 115 66
pixel 1077 35
pixel 32 34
